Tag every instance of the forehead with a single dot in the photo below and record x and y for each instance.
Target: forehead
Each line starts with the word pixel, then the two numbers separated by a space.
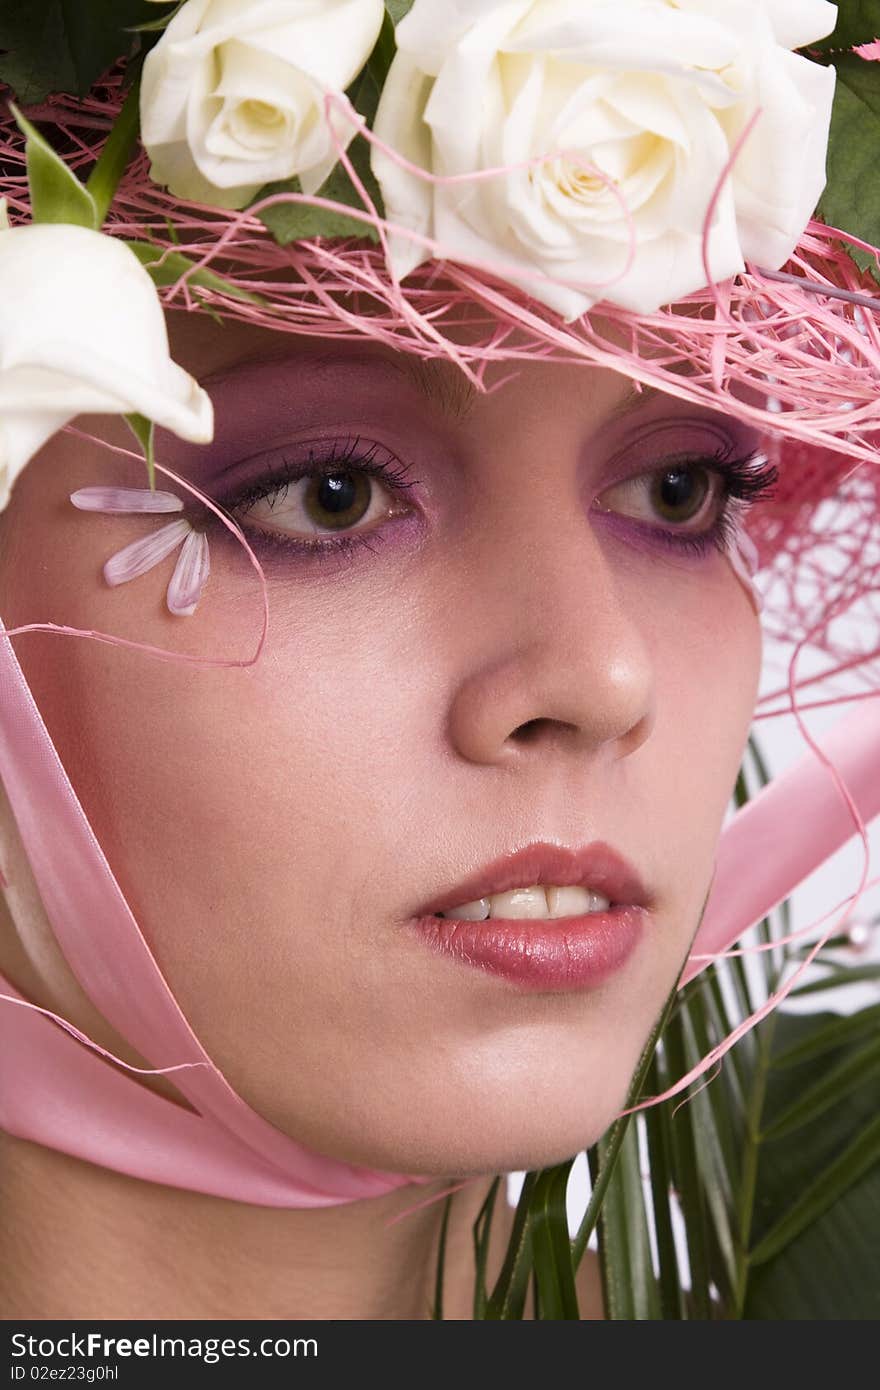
pixel 214 351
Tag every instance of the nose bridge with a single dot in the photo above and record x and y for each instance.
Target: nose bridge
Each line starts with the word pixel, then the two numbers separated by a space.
pixel 561 654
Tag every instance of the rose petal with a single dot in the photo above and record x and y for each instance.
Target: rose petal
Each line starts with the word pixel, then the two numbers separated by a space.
pixel 143 554
pixel 125 499
pixel 192 569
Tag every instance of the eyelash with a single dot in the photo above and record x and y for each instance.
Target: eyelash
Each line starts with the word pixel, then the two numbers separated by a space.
pixel 743 483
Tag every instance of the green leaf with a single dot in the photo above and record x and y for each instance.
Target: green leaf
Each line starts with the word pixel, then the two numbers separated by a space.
pixel 378 63
pixel 295 221
pixel 851 200
pixel 143 431
pixel 56 193
pixel 841 1029
pixel 689 1184
pixel 64 45
pixel 96 33
pixel 37 58
pixel 153 26
pixel 398 8
pixel 437 1310
pixel 660 1164
pixel 629 1285
pixel 481 1231
pixel 551 1246
pixel 858 21
pixel 859 1067
pixel 859 1158
pixel 117 150
pixel 166 267
pixel 837 976
pixel 813 1253
pixel 602 1166
pixel 509 1294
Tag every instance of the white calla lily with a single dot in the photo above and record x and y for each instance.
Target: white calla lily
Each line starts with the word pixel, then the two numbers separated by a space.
pixel 82 331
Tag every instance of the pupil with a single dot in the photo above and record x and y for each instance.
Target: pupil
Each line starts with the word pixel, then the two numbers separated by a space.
pixel 336 492
pixel 338 500
pixel 681 490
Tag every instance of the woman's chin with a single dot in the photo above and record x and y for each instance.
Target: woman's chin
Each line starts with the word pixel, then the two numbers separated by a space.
pixel 470 1149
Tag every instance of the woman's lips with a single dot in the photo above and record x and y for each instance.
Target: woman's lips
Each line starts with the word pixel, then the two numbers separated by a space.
pixel 561 953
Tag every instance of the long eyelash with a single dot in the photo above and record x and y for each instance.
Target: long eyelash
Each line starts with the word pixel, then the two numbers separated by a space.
pixel 334 457
pixel 745 481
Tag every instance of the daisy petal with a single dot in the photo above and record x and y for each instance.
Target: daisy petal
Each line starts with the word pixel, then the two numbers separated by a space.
pixel 192 569
pixel 143 554
pixel 125 499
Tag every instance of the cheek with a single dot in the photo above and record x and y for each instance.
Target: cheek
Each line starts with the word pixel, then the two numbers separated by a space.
pixel 707 666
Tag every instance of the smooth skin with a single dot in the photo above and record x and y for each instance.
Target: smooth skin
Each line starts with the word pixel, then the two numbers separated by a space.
pixel 507 667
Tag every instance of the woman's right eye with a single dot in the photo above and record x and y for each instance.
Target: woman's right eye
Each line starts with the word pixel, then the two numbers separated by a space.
pixel 348 496
pixel 321 503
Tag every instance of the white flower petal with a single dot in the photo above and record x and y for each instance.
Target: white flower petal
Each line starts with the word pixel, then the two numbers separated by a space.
pixel 143 554
pixel 488 82
pixel 797 23
pixel 125 499
pixel 188 580
pixel 82 331
pixel 232 95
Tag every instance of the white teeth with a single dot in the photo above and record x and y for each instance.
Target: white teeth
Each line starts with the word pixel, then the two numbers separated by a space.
pixel 537 901
pixel 470 912
pixel 568 902
pixel 519 902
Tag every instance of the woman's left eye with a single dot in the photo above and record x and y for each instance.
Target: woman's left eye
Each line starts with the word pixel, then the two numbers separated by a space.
pixel 692 503
pixel 684 495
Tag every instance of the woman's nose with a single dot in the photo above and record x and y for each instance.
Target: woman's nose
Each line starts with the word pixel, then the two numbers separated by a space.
pixel 555 655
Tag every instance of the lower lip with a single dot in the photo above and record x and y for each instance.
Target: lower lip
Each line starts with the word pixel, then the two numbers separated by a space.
pixel 562 953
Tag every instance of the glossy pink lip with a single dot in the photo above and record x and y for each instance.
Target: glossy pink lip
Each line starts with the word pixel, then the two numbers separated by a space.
pixel 597 866
pixel 564 953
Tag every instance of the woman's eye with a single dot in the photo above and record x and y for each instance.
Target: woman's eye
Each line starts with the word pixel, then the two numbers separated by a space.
pixel 681 495
pixel 320 503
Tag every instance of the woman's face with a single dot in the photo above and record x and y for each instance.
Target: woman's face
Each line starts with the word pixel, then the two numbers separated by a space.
pixel 531 645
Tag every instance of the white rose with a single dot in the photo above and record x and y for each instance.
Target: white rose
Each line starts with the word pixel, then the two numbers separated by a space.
pixel 652 93
pixel 82 330
pixel 232 95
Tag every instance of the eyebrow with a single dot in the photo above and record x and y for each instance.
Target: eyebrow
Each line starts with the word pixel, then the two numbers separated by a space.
pixel 443 383
pixel 634 398
pixel 436 379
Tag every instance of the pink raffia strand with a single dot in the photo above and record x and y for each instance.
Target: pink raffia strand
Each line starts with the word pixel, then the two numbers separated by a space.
pixel 869 51
pixel 96 1047
pixel 794 353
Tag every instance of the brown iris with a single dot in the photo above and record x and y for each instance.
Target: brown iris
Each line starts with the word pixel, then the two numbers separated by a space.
pixel 337 500
pixel 679 493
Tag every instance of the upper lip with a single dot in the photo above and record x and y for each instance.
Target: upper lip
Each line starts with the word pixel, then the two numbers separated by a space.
pixel 598 866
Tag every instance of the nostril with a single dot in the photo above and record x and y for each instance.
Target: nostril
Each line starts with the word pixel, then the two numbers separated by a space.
pixel 532 729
